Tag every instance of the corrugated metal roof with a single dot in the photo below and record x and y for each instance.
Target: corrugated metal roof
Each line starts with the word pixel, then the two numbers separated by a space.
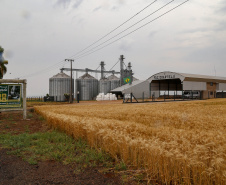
pixel 186 75
pixel 120 89
pixel 60 75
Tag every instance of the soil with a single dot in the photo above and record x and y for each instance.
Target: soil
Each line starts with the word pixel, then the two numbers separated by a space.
pixel 13 170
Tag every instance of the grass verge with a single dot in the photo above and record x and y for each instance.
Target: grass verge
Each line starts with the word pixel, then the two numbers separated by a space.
pixel 53 145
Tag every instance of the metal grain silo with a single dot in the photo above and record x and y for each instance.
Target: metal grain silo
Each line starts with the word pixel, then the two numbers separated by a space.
pixel 115 81
pixel 59 85
pixel 87 86
pixel 104 86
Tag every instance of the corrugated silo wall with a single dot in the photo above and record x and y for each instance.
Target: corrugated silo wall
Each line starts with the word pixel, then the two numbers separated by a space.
pixel 60 86
pixel 88 88
pixel 115 84
pixel 104 86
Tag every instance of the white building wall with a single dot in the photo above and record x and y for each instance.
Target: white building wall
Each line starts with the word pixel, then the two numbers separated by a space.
pixel 221 87
pixel 194 86
pixel 138 90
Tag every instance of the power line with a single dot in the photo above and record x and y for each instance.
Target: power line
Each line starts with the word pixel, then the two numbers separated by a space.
pixel 135 29
pixel 43 71
pixel 115 29
pixel 84 55
pixel 49 68
pixel 128 28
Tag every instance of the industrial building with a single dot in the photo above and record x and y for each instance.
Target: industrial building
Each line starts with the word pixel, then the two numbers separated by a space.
pixel 179 83
pixel 87 86
pixel 167 83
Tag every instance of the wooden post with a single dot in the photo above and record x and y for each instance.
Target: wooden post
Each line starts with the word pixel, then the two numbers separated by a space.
pixel 24 100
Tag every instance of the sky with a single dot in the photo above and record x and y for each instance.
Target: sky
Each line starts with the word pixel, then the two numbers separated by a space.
pixel 39 35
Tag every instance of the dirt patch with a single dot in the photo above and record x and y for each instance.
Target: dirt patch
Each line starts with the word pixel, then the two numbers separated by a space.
pixel 12 122
pixel 14 170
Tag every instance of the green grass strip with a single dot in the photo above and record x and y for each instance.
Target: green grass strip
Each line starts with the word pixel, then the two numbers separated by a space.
pixel 53 146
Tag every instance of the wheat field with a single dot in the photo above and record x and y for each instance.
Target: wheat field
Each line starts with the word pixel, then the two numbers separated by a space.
pixel 177 143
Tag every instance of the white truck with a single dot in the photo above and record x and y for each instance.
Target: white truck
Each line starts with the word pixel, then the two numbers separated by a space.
pixel 192 94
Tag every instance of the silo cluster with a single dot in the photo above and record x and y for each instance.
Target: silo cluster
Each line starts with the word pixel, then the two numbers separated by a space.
pixel 86 86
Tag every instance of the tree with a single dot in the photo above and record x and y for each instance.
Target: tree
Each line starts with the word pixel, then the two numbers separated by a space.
pixel 3 62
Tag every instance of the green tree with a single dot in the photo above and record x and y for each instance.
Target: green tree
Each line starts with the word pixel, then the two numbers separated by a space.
pixel 3 62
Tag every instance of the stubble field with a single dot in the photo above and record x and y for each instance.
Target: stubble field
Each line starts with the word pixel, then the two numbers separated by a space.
pixel 178 143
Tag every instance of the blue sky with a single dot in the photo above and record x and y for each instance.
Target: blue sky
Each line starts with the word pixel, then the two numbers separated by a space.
pixel 39 34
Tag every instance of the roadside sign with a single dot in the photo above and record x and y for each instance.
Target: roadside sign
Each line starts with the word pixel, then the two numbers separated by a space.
pixel 10 95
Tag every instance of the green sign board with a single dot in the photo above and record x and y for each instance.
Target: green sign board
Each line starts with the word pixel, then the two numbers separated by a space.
pixel 127 80
pixel 10 95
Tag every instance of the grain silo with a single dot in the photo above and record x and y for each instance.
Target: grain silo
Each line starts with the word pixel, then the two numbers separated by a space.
pixel 59 85
pixel 104 86
pixel 115 81
pixel 87 86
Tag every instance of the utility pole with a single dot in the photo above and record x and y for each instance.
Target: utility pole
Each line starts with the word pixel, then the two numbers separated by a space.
pixel 70 60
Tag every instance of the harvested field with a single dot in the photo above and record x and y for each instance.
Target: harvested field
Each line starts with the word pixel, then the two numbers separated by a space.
pixel 178 143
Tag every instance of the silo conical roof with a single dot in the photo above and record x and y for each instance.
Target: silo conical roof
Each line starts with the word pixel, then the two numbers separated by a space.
pixel 86 76
pixel 113 77
pixel 60 75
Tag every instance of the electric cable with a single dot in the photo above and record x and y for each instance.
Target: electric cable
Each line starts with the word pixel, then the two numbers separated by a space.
pixel 43 71
pixel 127 28
pixel 98 39
pixel 115 28
pixel 134 30
pixel 83 55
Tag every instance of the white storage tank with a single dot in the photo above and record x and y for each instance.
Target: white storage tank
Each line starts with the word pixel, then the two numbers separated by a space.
pixel 59 85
